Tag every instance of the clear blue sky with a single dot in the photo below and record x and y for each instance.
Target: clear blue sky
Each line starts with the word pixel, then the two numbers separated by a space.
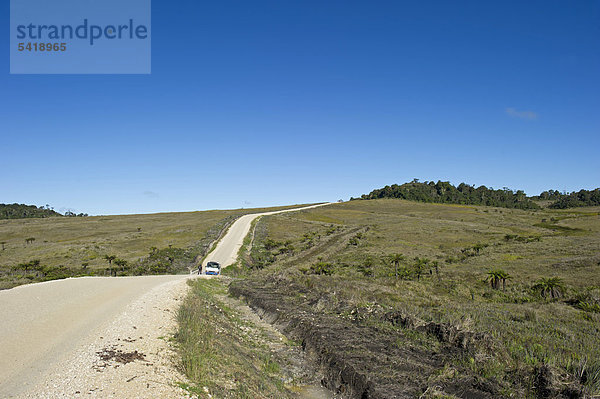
pixel 254 103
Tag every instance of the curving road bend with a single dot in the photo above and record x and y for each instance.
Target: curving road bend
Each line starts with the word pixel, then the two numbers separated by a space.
pixel 50 333
pixel 227 249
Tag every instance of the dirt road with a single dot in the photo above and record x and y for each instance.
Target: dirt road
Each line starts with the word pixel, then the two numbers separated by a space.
pixel 98 336
pixel 51 332
pixel 226 251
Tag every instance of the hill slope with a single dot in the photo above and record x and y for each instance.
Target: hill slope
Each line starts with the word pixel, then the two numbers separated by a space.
pixel 399 298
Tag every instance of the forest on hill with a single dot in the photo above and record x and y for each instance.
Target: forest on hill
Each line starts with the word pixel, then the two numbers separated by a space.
pixel 579 198
pixel 446 193
pixel 22 211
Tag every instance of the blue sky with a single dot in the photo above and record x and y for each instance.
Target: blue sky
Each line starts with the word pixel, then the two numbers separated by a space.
pixel 255 103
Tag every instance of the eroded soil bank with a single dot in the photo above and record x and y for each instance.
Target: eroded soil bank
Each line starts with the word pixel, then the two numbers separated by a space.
pixel 375 356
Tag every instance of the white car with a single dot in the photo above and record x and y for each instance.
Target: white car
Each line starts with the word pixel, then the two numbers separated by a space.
pixel 213 268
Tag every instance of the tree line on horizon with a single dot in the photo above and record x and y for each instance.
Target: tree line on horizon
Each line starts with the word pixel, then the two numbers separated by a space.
pixel 465 194
pixel 22 211
pixel 442 192
pixel 574 199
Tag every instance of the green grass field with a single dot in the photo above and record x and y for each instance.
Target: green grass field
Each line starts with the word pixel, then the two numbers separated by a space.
pixel 343 252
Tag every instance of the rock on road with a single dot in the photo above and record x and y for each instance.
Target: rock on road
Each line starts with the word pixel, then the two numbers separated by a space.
pixel 56 337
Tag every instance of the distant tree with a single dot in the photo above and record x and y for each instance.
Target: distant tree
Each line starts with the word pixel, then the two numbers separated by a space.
pixel 109 259
pixel 24 266
pixel 121 263
pixel 497 276
pixel 420 266
pixel 395 260
pixel 550 195
pixel 494 277
pixel 503 277
pixel 436 266
pixel 552 286
pixel 33 265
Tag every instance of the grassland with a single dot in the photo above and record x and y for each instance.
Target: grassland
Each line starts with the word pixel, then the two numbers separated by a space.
pixel 77 246
pixel 334 263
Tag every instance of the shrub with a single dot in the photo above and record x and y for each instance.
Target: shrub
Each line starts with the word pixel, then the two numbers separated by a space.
pixel 321 268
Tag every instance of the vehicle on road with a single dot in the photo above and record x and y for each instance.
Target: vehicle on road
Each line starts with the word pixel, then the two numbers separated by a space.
pixel 213 268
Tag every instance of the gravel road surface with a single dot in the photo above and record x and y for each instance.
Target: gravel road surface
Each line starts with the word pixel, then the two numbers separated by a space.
pixel 53 334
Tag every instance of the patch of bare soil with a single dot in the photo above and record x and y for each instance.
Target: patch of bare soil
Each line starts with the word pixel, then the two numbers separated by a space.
pixel 112 356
